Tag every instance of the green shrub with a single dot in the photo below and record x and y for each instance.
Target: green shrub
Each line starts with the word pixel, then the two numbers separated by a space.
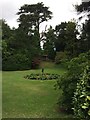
pixel 81 99
pixel 60 57
pixel 16 62
pixel 68 81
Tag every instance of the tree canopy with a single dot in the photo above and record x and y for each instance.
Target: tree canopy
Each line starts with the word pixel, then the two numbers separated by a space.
pixel 31 16
pixel 21 46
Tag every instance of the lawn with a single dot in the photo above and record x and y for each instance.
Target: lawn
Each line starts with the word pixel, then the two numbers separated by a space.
pixel 24 98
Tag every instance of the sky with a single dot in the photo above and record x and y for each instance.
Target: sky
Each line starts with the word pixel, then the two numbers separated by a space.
pixel 62 10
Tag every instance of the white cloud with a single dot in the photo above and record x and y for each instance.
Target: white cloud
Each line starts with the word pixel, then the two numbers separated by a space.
pixel 85 0
pixel 62 10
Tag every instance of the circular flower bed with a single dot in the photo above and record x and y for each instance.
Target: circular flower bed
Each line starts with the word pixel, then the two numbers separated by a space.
pixel 45 76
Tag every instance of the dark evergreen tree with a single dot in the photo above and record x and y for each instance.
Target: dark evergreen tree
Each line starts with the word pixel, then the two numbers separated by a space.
pixel 60 35
pixel 84 7
pixel 66 38
pixel 49 46
pixel 14 54
pixel 30 18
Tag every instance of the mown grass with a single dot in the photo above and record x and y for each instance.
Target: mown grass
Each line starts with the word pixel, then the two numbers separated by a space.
pixel 28 98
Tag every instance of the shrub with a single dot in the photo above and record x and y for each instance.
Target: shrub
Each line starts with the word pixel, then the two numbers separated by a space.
pixel 17 62
pixel 68 81
pixel 60 57
pixel 81 99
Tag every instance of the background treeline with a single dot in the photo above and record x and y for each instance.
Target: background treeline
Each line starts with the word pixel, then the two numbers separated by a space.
pixel 22 48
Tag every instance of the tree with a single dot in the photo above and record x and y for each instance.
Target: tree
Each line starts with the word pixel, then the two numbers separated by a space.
pixel 71 39
pixel 66 38
pixel 85 37
pixel 31 16
pixel 49 46
pixel 6 31
pixel 13 50
pixel 84 7
pixel 0 44
pixel 60 36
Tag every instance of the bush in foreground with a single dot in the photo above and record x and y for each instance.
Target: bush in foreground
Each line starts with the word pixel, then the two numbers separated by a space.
pixel 81 99
pixel 68 81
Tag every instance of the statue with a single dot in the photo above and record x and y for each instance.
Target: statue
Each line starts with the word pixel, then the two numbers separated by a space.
pixel 42 70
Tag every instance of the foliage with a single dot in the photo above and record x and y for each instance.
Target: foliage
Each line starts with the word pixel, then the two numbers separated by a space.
pixel 71 39
pixel 49 46
pixel 60 31
pixel 61 57
pixel 21 46
pixel 14 55
pixel 6 31
pixel 18 61
pixel 44 76
pixel 84 8
pixel 66 38
pixel 85 36
pixel 37 13
pixel 81 99
pixel 68 81
pixel 30 18
pixel 0 45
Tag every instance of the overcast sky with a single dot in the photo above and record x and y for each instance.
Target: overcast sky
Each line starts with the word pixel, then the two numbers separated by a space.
pixel 63 10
